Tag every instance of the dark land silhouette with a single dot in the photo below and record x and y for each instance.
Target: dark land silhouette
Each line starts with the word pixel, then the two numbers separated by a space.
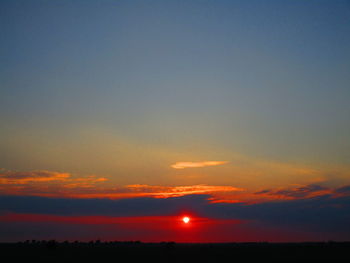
pixel 136 251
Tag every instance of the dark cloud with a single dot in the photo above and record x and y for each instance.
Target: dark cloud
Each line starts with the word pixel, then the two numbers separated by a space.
pixel 320 214
pixel 122 207
pixel 343 190
pixel 304 191
pixel 263 192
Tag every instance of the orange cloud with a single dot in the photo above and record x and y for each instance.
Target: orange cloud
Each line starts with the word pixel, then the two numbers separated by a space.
pixel 167 191
pixel 44 183
pixel 56 184
pixel 183 165
pixel 10 177
pixel 141 190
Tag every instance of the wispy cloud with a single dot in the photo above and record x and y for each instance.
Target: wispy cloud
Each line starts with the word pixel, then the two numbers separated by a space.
pixel 56 184
pixel 176 191
pixel 183 165
pixel 64 185
pixel 296 192
pixel 44 183
pixel 14 177
pixel 154 191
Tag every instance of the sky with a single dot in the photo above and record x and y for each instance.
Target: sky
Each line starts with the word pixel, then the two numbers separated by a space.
pixel 118 118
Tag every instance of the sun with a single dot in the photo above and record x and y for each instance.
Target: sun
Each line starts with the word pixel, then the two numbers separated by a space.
pixel 186 219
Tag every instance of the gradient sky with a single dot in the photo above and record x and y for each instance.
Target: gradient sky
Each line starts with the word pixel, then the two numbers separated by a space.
pixel 241 104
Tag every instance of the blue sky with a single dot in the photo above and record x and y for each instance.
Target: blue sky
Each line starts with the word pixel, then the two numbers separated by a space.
pixel 264 78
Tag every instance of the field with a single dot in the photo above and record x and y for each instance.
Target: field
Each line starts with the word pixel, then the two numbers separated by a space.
pixel 51 251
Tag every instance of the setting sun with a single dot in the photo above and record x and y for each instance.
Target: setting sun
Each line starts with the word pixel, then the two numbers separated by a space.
pixel 186 219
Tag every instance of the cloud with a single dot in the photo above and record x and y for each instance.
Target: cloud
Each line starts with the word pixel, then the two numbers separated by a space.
pixel 154 191
pixel 298 192
pixel 56 184
pixel 266 191
pixel 44 183
pixel 166 191
pixel 324 217
pixel 11 177
pixel 183 165
pixel 142 206
pixel 343 190
pixel 316 209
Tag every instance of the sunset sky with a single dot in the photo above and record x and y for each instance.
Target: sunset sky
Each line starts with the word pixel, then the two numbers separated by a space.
pixel 120 117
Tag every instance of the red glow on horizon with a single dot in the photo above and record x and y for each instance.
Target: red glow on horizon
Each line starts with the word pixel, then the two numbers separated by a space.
pixel 144 228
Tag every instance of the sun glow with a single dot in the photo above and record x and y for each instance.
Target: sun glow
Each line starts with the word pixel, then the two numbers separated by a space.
pixel 186 219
